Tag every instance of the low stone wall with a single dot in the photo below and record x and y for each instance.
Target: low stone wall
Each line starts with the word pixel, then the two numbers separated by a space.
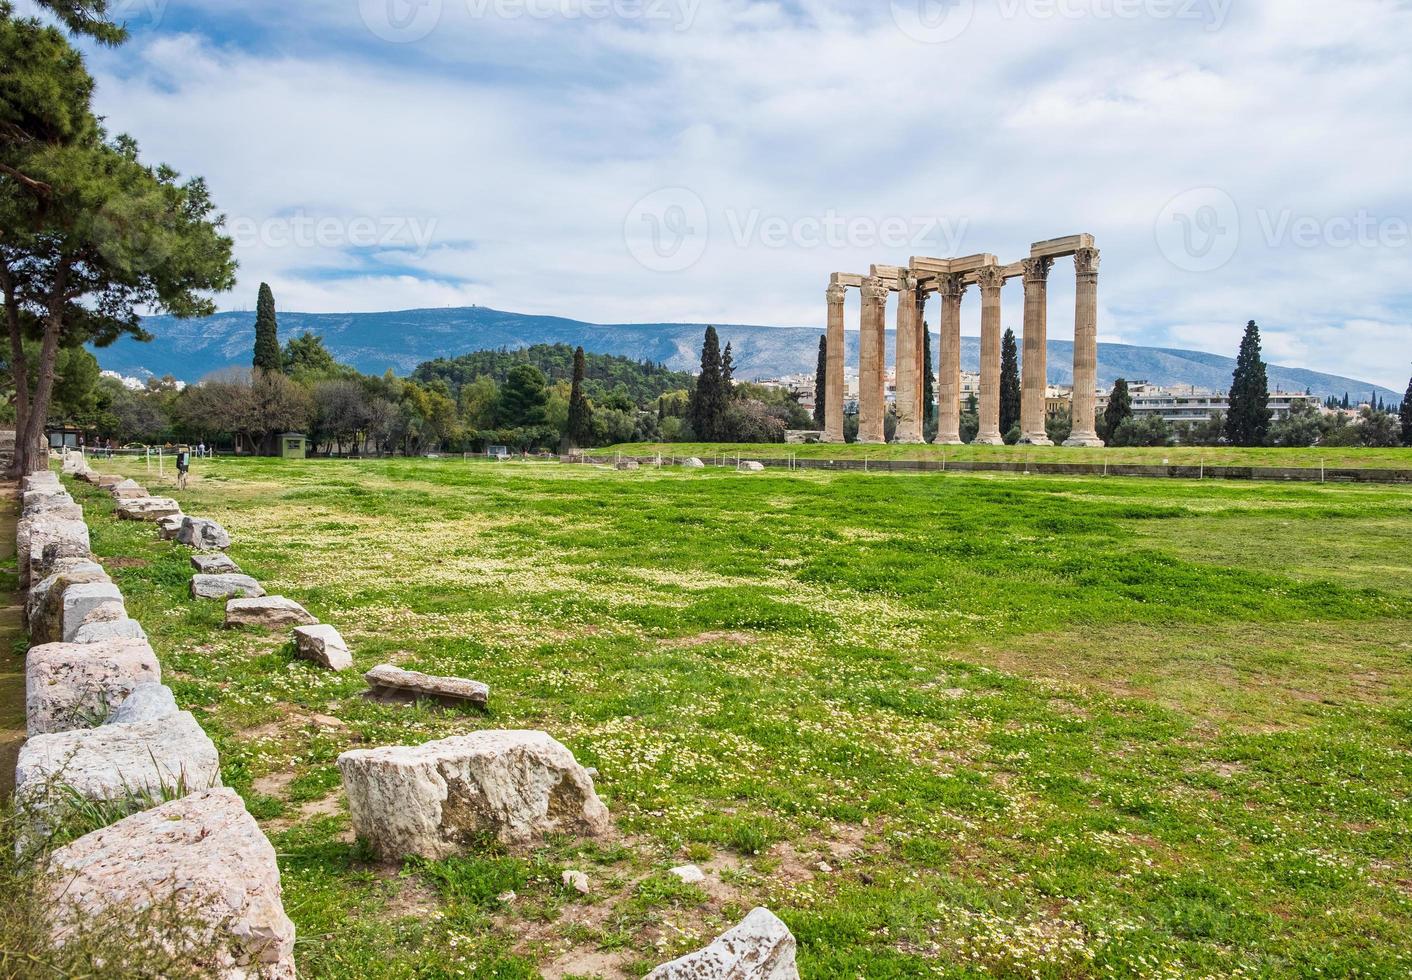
pixel 104 729
pixel 1298 474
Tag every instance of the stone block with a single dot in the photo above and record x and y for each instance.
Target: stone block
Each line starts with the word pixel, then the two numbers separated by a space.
pixel 44 478
pixel 95 630
pixel 72 685
pixel 149 701
pixel 169 527
pixel 150 509
pixel 215 564
pixel 32 534
pixel 80 601
pixel 70 571
pixel 435 799
pixel 203 534
pixel 225 587
pixel 752 466
pixel 271 612
pixel 692 463
pixel 106 480
pixel 204 854
pixel 760 948
pixel 128 490
pixel 323 645
pixel 394 683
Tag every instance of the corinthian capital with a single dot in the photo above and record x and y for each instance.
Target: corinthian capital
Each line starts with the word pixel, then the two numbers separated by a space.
pixel 1086 262
pixel 836 294
pixel 990 278
pixel 950 287
pixel 1037 270
pixel 875 291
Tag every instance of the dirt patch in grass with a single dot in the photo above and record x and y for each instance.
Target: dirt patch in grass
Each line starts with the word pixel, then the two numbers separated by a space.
pixel 731 637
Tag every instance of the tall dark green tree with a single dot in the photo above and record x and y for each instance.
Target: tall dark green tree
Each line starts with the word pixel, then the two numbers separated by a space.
pixel 1406 416
pixel 929 403
pixel 580 426
pixel 708 398
pixel 524 395
pixel 728 372
pixel 267 353
pixel 821 377
pixel 1009 382
pixel 1120 407
pixel 1248 420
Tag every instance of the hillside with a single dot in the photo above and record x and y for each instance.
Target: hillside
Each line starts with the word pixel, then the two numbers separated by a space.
pixel 375 342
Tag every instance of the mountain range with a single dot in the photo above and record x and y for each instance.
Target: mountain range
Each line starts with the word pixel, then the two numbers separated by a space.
pixel 375 342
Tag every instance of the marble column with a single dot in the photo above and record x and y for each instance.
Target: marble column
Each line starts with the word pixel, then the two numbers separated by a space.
pixel 1034 370
pixel 835 342
pixel 991 281
pixel 872 403
pixel 1085 348
pixel 909 352
pixel 948 431
pixel 922 406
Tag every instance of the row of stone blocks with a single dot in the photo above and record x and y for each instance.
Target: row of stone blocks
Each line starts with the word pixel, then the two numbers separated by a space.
pixel 107 737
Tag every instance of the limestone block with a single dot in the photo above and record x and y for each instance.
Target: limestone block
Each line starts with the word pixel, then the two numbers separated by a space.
pixel 106 480
pixel 69 572
pixel 203 534
pixel 387 681
pixel 169 527
pixel 203 853
pixel 56 554
pixel 629 464
pixel 134 765
pixel 435 799
pixel 103 630
pixel 44 478
pixel 151 509
pixel 689 874
pixel 322 644
pixel 271 612
pixel 760 948
pixel 148 701
pixel 73 463
pixel 32 534
pixel 72 685
pixel 79 601
pixel 225 587
pixel 90 476
pixel 692 463
pixel 215 564
pixel 752 466
pixel 128 490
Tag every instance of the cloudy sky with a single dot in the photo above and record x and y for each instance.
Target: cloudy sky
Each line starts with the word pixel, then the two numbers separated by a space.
pixel 715 160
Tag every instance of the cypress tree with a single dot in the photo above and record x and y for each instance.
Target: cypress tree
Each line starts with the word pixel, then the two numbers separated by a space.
pixel 708 400
pixel 1248 420
pixel 580 427
pixel 728 372
pixel 928 377
pixel 1120 407
pixel 267 353
pixel 1407 416
pixel 1009 382
pixel 821 377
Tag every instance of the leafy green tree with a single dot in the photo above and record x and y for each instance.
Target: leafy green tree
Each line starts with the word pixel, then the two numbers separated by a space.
pixel 267 352
pixel 970 419
pixel 1120 407
pixel 1248 417
pixel 1406 416
pixel 1152 430
pixel 1059 425
pixel 523 397
pixel 708 399
pixel 1009 382
pixel 1378 429
pixel 1299 428
pixel 821 376
pixel 305 356
pixel 579 427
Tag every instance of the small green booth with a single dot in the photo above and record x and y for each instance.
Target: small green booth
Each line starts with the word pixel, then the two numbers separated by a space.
pixel 293 445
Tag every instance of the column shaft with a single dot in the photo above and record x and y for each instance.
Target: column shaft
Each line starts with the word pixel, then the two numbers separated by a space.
pixel 991 281
pixel 948 432
pixel 872 403
pixel 834 357
pixel 1085 348
pixel 922 406
pixel 909 398
pixel 1034 370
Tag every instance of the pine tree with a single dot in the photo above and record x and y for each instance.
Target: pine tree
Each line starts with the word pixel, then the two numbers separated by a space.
pixel 1407 416
pixel 928 377
pixel 580 426
pixel 1248 419
pixel 1009 382
pixel 728 372
pixel 708 400
pixel 267 352
pixel 821 377
pixel 1345 400
pixel 1120 408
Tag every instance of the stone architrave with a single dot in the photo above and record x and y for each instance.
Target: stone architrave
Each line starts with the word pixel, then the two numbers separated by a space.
pixel 991 281
pixel 1035 370
pixel 909 352
pixel 1085 431
pixel 271 612
pixel 835 344
pixel 761 947
pixel 436 799
pixel 322 644
pixel 203 854
pixel 73 685
pixel 150 509
pixel 872 403
pixel 951 289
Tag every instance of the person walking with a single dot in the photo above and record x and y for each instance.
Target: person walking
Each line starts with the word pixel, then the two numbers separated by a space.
pixel 183 465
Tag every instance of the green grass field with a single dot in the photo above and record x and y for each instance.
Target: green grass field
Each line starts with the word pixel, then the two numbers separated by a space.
pixel 1331 457
pixel 942 725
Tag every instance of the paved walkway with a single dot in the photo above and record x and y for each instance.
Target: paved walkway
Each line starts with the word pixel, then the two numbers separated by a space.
pixel 12 644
